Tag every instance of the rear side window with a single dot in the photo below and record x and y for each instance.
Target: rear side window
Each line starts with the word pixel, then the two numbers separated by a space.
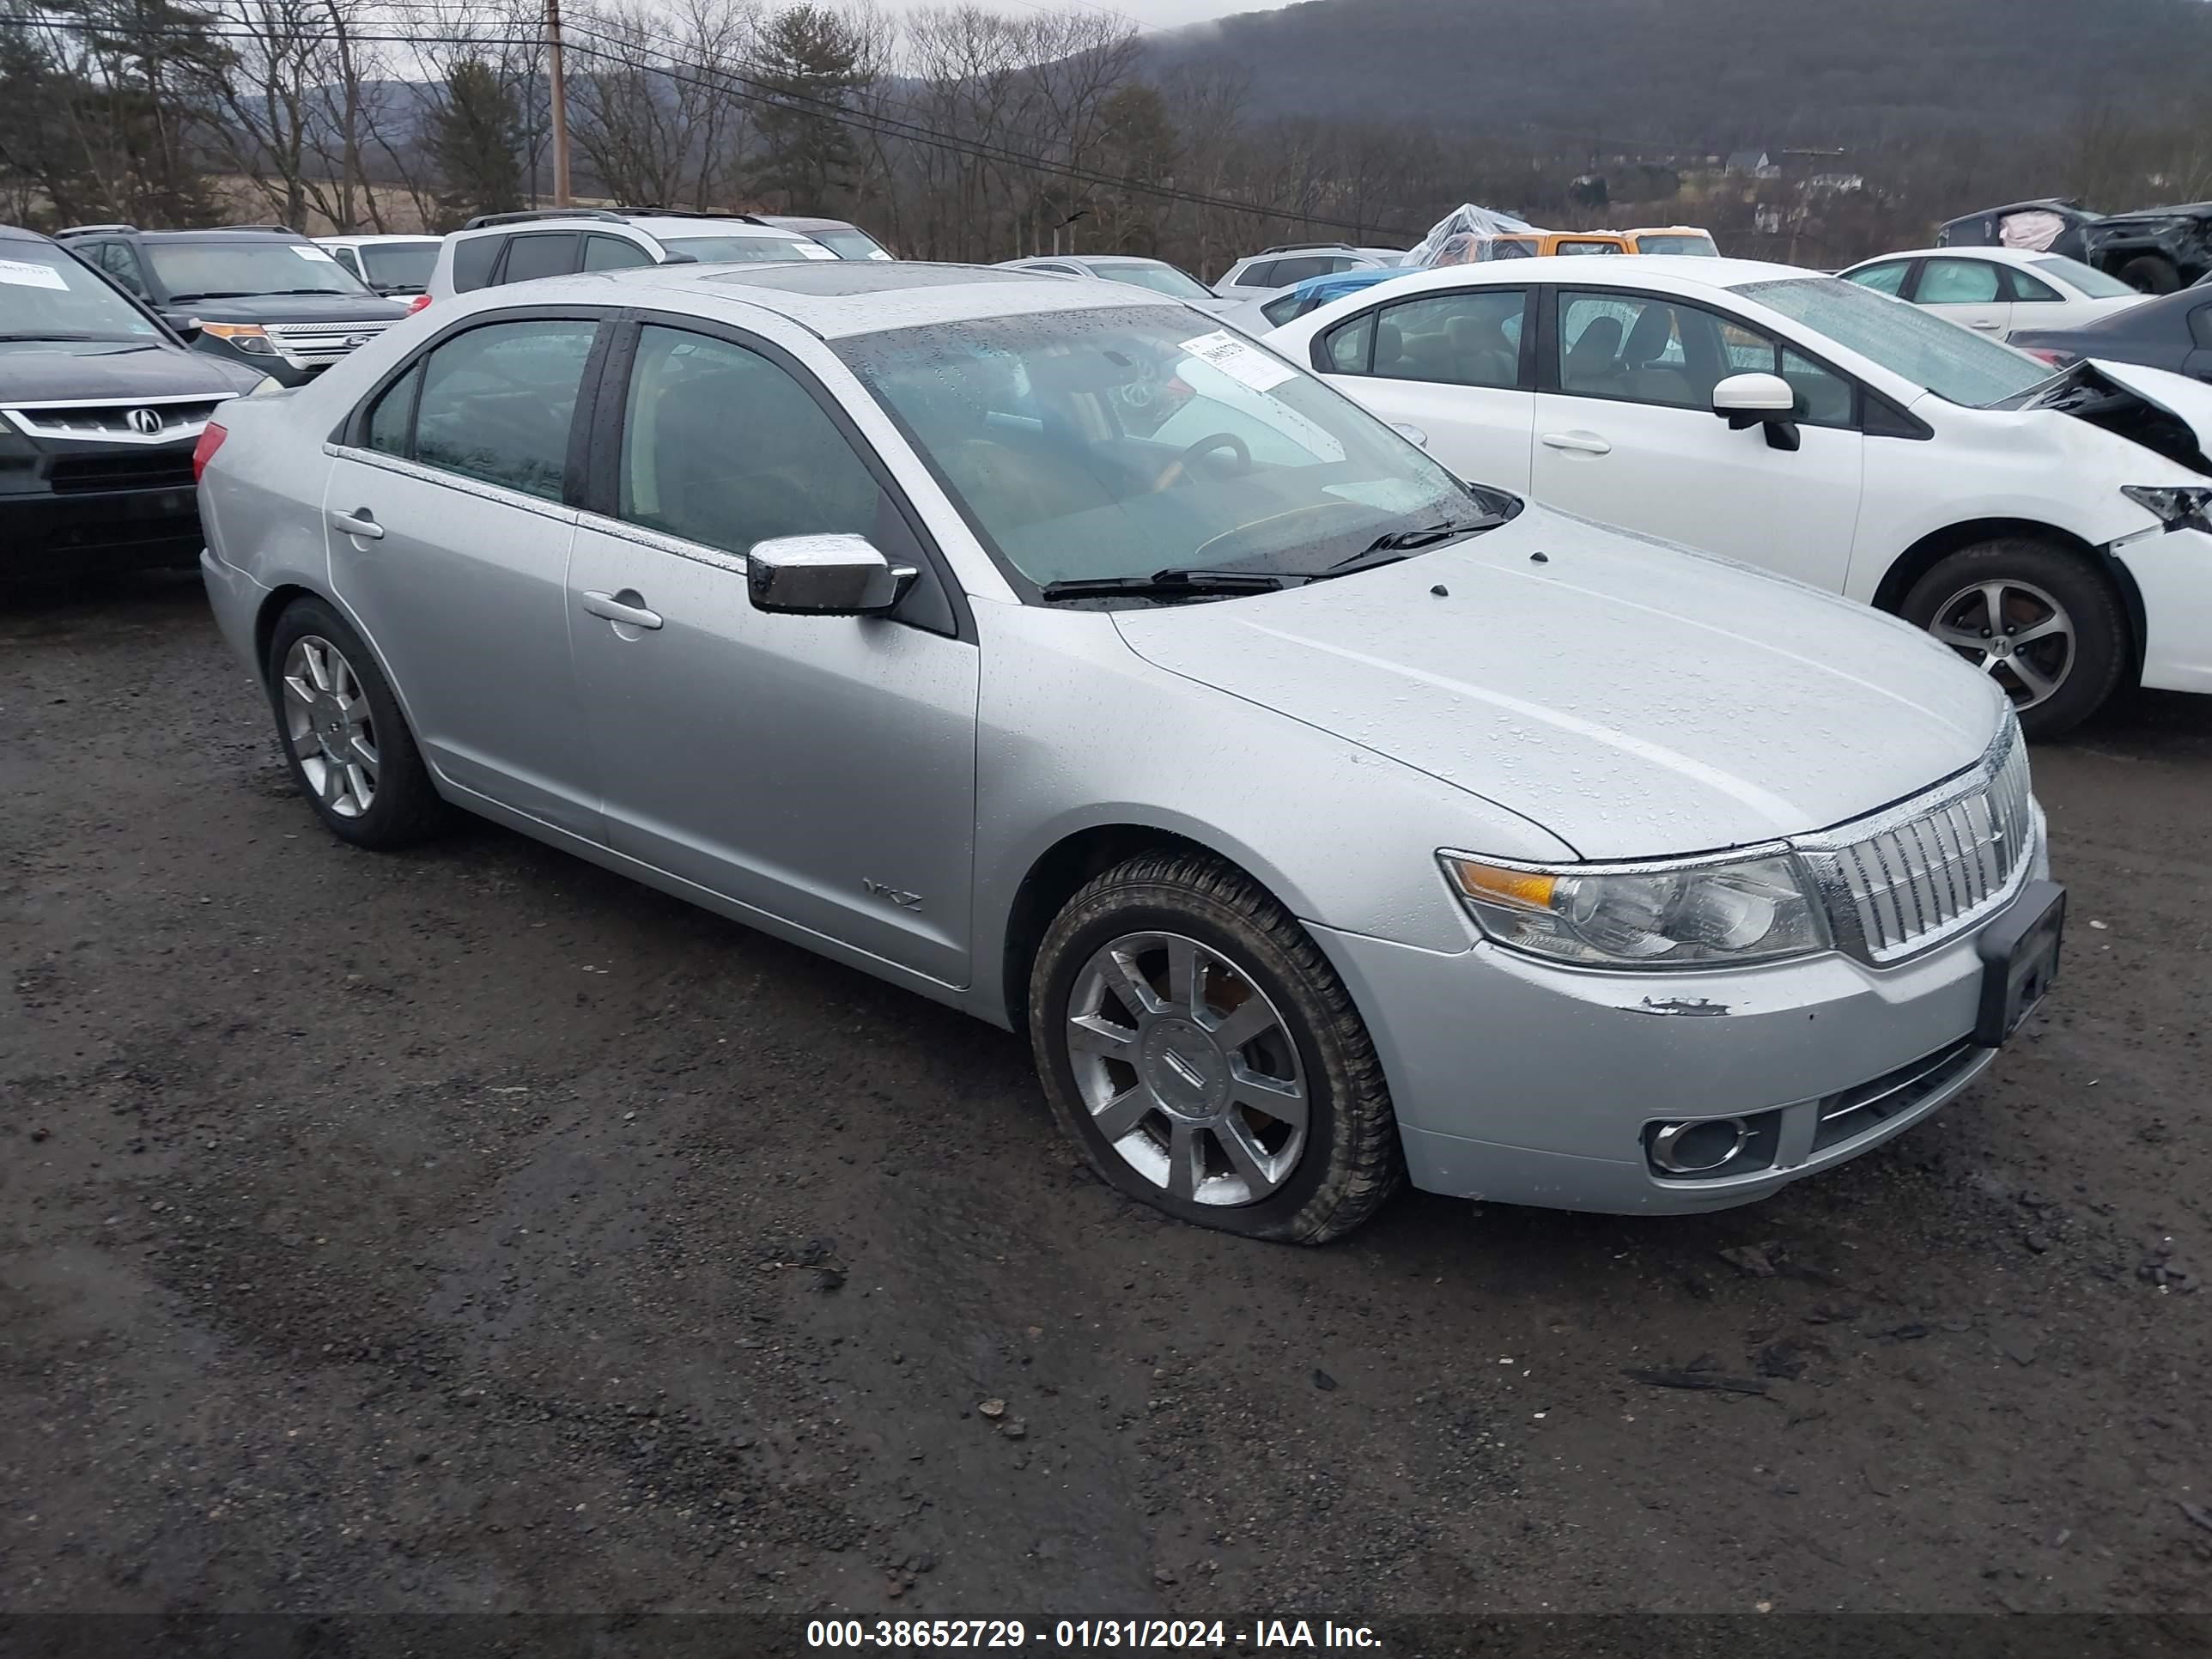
pixel 389 429
pixel 473 257
pixel 2025 287
pixel 496 403
pixel 1261 274
pixel 543 254
pixel 611 253
pixel 1468 338
pixel 1284 272
pixel 1959 282
pixel 1348 348
pixel 794 475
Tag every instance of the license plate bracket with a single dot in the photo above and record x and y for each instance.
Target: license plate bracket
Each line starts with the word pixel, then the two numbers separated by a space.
pixel 2019 960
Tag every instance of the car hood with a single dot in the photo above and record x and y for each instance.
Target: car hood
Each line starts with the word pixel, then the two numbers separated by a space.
pixel 42 373
pixel 1635 699
pixel 2188 401
pixel 295 308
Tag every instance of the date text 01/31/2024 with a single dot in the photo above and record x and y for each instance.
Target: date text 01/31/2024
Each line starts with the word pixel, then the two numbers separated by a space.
pixel 1139 1633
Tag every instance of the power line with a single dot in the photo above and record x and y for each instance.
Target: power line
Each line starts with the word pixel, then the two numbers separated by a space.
pixel 882 126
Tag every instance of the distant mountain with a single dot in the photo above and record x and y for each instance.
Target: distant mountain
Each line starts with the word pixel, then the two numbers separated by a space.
pixel 1715 74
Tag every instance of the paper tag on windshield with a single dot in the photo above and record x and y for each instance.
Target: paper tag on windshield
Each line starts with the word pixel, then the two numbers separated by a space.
pixel 877 253
pixel 816 251
pixel 29 276
pixel 313 253
pixel 1240 359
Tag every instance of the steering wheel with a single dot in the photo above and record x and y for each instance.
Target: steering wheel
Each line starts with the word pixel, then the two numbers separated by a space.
pixel 1176 470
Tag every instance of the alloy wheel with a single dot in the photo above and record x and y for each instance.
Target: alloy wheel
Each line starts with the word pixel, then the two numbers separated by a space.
pixel 1187 1069
pixel 329 725
pixel 2013 631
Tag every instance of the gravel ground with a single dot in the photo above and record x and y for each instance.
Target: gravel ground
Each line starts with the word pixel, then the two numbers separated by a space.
pixel 471 1229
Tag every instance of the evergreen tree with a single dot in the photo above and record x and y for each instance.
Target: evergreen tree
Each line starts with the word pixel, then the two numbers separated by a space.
pixel 475 141
pixel 810 63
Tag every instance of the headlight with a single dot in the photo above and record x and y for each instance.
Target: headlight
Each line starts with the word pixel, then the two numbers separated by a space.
pixel 2178 506
pixel 249 338
pixel 1698 914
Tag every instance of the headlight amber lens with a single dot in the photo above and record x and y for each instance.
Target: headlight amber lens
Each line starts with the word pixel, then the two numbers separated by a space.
pixel 249 337
pixel 1754 911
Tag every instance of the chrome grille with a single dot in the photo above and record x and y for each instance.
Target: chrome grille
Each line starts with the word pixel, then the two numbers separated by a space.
pixel 1918 872
pixel 317 345
pixel 145 421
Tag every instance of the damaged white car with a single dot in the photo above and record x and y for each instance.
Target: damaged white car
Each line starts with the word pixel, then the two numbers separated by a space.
pixel 2054 527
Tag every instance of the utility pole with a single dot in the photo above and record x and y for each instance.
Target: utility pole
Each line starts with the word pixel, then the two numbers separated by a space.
pixel 558 81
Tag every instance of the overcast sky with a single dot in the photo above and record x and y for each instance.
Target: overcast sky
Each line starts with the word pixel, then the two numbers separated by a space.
pixel 1148 14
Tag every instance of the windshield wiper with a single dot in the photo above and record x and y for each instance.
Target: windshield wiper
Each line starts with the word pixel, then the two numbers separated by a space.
pixel 214 293
pixel 1162 584
pixel 61 334
pixel 1402 543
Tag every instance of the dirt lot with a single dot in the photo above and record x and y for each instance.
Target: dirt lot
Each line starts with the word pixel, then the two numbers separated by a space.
pixel 472 1229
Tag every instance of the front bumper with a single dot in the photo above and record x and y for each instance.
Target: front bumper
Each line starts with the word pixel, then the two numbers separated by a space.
pixel 2172 571
pixel 1525 1083
pixel 47 534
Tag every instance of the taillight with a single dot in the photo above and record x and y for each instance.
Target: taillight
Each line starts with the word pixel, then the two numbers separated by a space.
pixel 417 303
pixel 211 437
pixel 2058 359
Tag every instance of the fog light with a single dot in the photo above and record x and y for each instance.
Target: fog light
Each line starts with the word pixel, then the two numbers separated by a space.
pixel 1699 1148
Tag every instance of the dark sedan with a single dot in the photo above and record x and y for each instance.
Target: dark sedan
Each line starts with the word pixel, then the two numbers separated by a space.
pixel 2173 332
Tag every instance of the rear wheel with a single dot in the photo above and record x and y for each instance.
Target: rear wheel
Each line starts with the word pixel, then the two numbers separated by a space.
pixel 343 734
pixel 1194 1041
pixel 2038 620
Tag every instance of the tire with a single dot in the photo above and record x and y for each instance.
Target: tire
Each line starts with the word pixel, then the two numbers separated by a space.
pixel 2039 581
pixel 2150 274
pixel 1287 1020
pixel 317 647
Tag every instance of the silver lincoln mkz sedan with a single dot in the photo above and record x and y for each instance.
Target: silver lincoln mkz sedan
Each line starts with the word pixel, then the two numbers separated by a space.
pixel 1038 645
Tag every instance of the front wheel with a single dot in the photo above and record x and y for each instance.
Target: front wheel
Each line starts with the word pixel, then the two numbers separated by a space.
pixel 2038 620
pixel 1197 1045
pixel 2149 273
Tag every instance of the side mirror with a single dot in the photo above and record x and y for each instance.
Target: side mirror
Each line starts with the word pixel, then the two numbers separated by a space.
pixel 833 575
pixel 1746 400
pixel 670 256
pixel 1410 433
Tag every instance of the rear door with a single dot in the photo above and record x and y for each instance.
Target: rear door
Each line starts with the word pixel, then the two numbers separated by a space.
pixel 1455 366
pixel 820 769
pixel 449 529
pixel 1626 433
pixel 1971 292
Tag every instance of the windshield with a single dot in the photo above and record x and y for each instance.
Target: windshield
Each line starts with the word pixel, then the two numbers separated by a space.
pixel 1092 445
pixel 746 250
pixel 1954 363
pixel 1697 243
pixel 851 244
pixel 1161 279
pixel 45 294
pixel 2085 279
pixel 400 265
pixel 202 270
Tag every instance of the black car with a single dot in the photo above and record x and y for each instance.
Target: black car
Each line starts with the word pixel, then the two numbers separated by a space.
pixel 261 295
pixel 100 408
pixel 2173 331
pixel 2156 250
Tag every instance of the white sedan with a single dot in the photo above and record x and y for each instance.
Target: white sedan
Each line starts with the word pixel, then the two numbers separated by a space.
pixel 1996 289
pixel 2055 527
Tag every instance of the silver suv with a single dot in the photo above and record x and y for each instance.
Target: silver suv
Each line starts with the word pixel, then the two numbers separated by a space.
pixel 1051 651
pixel 1275 269
pixel 496 248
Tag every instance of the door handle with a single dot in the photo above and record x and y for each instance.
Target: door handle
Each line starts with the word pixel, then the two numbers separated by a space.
pixel 1990 328
pixel 1583 443
pixel 360 522
pixel 618 608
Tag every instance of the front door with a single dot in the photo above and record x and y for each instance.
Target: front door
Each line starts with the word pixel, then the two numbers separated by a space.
pixel 449 543
pixel 1629 436
pixel 819 769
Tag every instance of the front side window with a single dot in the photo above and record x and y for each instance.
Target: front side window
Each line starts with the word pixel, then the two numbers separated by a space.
pixel 1636 349
pixel 45 294
pixel 1118 443
pixel 496 403
pixel 1960 283
pixel 1954 363
pixel 723 447
pixel 1161 279
pixel 613 253
pixel 345 256
pixel 117 259
pixel 547 253
pixel 1472 338
pixel 1888 278
pixel 851 243
pixel 216 270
